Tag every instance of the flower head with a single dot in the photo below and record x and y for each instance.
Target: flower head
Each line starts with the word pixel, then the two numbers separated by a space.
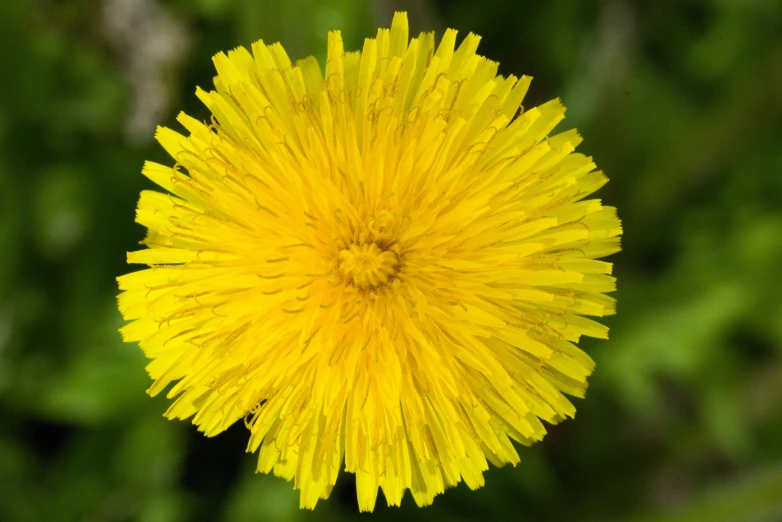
pixel 384 265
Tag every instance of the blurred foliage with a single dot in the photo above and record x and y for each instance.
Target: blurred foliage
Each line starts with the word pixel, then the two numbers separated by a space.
pixel 679 101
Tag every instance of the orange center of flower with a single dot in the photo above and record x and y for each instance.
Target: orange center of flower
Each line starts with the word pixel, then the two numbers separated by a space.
pixel 367 265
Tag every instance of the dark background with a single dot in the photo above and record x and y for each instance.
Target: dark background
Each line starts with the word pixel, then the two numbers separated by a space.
pixel 679 101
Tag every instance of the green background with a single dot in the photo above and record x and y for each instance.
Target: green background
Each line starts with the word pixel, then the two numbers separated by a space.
pixel 679 101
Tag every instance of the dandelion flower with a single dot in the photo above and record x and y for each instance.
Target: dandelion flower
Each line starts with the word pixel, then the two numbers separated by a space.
pixel 384 265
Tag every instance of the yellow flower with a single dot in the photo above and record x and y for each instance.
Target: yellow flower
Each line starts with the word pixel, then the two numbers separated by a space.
pixel 382 264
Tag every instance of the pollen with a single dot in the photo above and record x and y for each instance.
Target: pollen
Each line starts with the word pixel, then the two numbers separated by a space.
pixel 367 265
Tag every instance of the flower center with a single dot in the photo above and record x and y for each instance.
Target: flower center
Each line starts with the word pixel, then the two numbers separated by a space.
pixel 367 265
